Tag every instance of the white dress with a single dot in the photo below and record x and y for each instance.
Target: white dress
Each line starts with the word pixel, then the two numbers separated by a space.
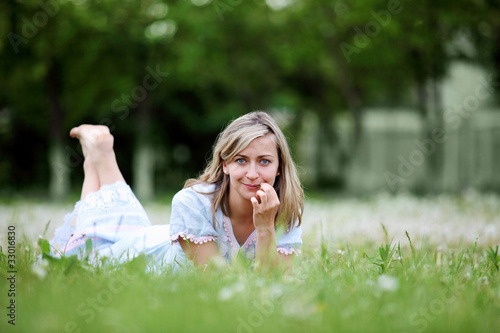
pixel 119 228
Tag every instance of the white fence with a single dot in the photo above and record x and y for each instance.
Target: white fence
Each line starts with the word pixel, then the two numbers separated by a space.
pixel 394 155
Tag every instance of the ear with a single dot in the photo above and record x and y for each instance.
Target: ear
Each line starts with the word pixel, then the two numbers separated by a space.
pixel 224 167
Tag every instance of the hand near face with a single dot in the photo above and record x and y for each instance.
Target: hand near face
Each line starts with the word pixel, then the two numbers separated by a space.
pixel 265 206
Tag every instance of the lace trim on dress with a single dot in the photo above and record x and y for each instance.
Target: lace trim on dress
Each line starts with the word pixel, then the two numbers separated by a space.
pixel 96 194
pixel 288 251
pixel 192 238
pixel 109 196
pixel 229 233
pixel 249 242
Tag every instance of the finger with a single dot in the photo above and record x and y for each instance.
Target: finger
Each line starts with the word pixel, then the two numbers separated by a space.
pixel 262 195
pixel 270 191
pixel 265 187
pixel 254 201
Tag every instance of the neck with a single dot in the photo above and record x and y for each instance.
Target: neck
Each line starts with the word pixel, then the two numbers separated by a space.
pixel 241 210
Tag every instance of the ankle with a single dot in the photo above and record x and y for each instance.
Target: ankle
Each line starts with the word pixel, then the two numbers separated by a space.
pixel 103 152
pixel 104 143
pixel 88 166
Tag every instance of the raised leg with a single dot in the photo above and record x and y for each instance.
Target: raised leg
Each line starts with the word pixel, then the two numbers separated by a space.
pixel 91 181
pixel 104 159
pixel 100 163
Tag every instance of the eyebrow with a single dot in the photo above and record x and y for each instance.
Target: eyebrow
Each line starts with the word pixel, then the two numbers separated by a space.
pixel 260 156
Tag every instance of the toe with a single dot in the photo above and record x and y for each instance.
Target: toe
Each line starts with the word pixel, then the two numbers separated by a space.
pixel 75 131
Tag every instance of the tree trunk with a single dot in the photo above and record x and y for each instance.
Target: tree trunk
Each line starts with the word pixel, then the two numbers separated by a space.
pixel 296 128
pixel 351 95
pixel 432 119
pixel 436 159
pixel 59 169
pixel 329 155
pixel 346 85
pixel 144 155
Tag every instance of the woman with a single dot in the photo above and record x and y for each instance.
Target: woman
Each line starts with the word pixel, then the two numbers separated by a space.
pixel 248 200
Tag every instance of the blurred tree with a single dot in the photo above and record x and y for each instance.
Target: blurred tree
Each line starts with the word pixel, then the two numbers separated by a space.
pixel 170 74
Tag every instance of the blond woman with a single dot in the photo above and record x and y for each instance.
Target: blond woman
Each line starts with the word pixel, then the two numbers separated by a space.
pixel 247 201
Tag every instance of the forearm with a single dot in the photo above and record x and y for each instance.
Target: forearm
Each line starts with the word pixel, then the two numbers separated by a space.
pixel 200 254
pixel 266 256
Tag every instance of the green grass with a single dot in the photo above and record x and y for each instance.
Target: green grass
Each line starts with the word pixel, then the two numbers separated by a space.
pixel 392 288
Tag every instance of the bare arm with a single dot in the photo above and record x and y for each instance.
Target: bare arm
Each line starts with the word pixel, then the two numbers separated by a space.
pixel 264 212
pixel 287 261
pixel 266 255
pixel 200 254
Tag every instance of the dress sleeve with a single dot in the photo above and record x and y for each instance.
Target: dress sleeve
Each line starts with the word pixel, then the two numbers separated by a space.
pixel 289 242
pixel 191 218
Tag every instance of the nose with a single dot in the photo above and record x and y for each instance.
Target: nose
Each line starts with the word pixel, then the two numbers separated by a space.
pixel 252 173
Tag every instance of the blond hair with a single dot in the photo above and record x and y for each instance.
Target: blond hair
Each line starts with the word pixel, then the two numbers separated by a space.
pixel 236 137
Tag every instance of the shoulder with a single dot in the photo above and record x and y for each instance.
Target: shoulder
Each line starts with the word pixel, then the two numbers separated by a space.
pixel 199 195
pixel 290 236
pixel 192 213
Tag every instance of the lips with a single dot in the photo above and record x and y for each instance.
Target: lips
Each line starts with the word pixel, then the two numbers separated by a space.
pixel 252 186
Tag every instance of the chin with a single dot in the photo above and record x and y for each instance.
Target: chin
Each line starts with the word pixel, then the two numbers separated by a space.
pixel 247 195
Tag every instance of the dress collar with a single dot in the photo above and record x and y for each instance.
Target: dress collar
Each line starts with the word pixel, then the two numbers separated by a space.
pixel 228 227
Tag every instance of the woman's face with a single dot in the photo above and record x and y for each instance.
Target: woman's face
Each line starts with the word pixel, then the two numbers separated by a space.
pixel 256 164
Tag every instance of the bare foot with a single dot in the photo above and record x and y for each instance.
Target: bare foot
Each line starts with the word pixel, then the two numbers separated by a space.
pixel 92 137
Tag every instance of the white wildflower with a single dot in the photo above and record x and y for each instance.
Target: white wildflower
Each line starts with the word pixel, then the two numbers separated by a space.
pixel 301 307
pixel 40 269
pixel 219 263
pixel 275 290
pixel 388 283
pixel 483 280
pixel 259 282
pixel 227 293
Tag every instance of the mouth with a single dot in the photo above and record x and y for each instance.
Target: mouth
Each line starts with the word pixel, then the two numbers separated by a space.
pixel 252 186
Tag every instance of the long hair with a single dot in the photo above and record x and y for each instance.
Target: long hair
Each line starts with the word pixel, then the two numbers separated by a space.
pixel 236 137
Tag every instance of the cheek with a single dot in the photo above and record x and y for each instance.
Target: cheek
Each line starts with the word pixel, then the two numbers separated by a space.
pixel 270 175
pixel 235 172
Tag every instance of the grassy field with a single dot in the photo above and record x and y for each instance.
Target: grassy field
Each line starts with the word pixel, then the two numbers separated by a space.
pixel 359 272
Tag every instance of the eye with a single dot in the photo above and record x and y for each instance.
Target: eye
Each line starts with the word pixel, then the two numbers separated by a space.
pixel 240 161
pixel 265 162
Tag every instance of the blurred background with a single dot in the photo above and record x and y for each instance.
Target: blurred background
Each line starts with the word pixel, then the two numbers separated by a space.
pixel 373 96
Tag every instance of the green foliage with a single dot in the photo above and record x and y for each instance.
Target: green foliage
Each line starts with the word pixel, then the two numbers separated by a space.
pixel 224 58
pixel 417 257
pixel 493 257
pixel 44 247
pixel 387 254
